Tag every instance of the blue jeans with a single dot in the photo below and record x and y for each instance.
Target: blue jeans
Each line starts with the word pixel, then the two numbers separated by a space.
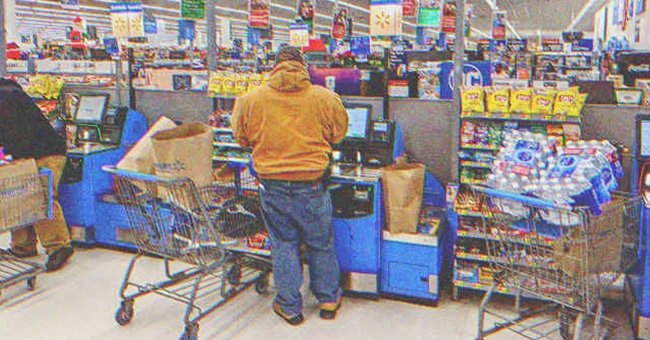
pixel 295 213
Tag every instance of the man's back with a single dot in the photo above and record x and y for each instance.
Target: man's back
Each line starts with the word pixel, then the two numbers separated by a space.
pixel 290 124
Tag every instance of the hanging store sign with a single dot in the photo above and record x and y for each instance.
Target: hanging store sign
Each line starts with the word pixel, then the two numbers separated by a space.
pixel 259 13
pixel 517 45
pixel 385 17
pixel 305 12
pixel 299 35
pixel 360 46
pixel 583 45
pixel 193 9
pixel 186 29
pixel 127 19
pixel 499 25
pixel 70 4
pixel 150 24
pixel 340 23
pixel 429 14
pixel 449 17
pixel 410 8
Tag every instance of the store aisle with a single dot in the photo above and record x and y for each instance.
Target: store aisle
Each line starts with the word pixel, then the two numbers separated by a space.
pixel 79 302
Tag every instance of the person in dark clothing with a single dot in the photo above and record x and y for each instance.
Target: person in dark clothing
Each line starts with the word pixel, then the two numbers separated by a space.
pixel 26 133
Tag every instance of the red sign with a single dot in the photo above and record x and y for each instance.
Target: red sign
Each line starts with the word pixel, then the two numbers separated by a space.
pixel 340 24
pixel 259 13
pixel 410 8
pixel 449 17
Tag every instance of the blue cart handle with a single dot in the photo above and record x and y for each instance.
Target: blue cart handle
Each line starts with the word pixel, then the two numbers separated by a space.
pixel 531 201
pixel 137 175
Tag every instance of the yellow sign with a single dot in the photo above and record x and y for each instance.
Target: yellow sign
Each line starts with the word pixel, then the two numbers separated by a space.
pixel 386 19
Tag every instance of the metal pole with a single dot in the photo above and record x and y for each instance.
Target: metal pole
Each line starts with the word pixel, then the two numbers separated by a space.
pixel 3 41
pixel 211 30
pixel 459 56
pixel 212 34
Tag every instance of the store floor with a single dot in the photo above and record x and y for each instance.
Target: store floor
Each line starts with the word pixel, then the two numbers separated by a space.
pixel 79 303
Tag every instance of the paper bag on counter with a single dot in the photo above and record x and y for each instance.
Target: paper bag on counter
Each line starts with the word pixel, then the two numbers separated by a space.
pixel 140 157
pixel 23 199
pixel 184 151
pixel 402 186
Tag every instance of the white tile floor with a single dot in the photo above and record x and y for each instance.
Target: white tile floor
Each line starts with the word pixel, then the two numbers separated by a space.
pixel 79 303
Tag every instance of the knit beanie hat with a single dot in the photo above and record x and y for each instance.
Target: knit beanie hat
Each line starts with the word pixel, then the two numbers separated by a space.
pixel 289 53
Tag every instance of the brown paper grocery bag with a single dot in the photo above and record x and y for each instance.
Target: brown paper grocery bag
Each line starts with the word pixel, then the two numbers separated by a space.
pixel 140 157
pixel 403 187
pixel 22 196
pixel 184 151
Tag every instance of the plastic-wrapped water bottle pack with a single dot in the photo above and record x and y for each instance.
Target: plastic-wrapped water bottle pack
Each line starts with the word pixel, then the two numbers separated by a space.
pixel 583 173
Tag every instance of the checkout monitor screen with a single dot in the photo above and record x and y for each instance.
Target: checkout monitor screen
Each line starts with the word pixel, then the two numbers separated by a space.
pixel 91 108
pixel 358 121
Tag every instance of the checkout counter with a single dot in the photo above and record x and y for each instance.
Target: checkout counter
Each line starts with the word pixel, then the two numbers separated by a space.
pixel 357 196
pixel 371 263
pixel 98 135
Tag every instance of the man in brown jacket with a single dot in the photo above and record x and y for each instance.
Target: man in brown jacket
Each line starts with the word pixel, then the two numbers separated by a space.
pixel 291 126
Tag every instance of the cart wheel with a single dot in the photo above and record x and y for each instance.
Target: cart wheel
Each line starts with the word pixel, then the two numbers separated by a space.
pixel 191 332
pixel 31 283
pixel 234 275
pixel 262 285
pixel 125 313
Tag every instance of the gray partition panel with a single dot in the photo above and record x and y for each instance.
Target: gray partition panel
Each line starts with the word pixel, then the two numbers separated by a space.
pixel 178 105
pixel 427 127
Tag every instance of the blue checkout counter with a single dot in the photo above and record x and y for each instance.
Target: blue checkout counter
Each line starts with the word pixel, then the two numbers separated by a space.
pixel 85 192
pixel 373 261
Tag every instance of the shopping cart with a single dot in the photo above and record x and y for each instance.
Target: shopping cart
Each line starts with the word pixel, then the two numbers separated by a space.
pixel 24 200
pixel 206 230
pixel 565 257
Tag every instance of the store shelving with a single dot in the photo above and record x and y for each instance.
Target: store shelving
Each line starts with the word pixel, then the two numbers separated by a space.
pixel 475 160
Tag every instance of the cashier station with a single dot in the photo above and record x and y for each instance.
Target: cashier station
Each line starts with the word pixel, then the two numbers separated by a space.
pixel 103 134
pixel 374 262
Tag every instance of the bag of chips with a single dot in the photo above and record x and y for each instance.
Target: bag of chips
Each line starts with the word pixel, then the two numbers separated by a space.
pixel 229 81
pixel 566 102
pixel 241 84
pixel 520 101
pixel 543 102
pixel 473 100
pixel 498 100
pixel 215 87
pixel 254 81
pixel 580 103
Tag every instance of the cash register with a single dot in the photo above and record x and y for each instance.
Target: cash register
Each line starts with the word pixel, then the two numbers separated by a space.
pixel 99 135
pixel 357 196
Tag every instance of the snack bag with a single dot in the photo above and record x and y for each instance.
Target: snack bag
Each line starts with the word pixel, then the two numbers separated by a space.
pixel 473 100
pixel 520 101
pixel 215 86
pixel 241 84
pixel 254 81
pixel 580 103
pixel 566 102
pixel 498 100
pixel 543 102
pixel 229 84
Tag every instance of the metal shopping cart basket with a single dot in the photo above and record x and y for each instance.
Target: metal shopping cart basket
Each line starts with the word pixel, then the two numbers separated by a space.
pixel 24 200
pixel 566 257
pixel 205 230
